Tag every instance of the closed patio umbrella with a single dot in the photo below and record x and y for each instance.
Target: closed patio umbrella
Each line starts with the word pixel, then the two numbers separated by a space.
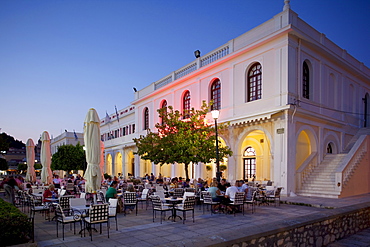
pixel 93 174
pixel 46 174
pixel 30 156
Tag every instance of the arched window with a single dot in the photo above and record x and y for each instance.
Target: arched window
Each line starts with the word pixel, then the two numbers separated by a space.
pixel 216 95
pixel 186 104
pixel 146 118
pixel 164 105
pixel 254 83
pixel 305 81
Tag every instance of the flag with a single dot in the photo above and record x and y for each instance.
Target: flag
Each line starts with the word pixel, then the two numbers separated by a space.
pixel 74 132
pixel 117 113
pixel 107 118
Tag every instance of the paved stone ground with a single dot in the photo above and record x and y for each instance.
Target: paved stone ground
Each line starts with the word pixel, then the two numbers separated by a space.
pixel 205 231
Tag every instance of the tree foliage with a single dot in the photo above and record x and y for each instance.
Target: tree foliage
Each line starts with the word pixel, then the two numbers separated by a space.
pixel 181 140
pixel 3 164
pixel 7 141
pixel 69 157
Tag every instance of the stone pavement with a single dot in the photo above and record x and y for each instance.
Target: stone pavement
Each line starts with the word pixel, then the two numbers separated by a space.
pixel 207 230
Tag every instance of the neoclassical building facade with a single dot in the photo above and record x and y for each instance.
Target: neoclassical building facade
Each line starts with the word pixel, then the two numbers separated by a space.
pixel 297 104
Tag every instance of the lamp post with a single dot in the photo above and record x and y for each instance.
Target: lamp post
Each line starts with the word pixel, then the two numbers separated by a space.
pixel 215 114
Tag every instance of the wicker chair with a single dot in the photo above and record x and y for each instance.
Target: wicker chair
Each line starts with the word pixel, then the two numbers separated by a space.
pixel 129 199
pixel 159 206
pixel 188 205
pixel 238 201
pixel 63 219
pixel 207 200
pixel 98 214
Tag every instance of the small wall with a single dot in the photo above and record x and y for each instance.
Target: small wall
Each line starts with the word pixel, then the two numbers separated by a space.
pixel 317 230
pixel 359 182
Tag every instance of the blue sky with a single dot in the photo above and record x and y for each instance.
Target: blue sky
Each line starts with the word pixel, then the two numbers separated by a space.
pixel 60 58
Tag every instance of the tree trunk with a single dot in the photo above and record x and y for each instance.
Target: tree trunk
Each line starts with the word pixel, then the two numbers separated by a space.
pixel 187 171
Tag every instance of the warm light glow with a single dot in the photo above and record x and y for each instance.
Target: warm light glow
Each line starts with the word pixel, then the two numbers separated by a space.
pixel 215 114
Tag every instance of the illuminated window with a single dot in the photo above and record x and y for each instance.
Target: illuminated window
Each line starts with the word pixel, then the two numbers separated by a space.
pixel 216 95
pixel 254 83
pixel 306 81
pixel 186 104
pixel 146 118
pixel 249 163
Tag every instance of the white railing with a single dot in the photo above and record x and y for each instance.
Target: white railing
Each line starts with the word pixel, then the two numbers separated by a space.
pixel 214 56
pixel 306 169
pixel 185 70
pixel 350 162
pixel 190 68
pixel 163 82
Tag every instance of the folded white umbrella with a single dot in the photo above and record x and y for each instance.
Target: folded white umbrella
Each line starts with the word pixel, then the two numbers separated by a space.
pixel 93 174
pixel 46 174
pixel 30 156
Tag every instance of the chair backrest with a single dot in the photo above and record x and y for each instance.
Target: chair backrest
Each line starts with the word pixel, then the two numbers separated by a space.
pixel 144 194
pixel 160 194
pixel 202 193
pixel 187 193
pixel 65 202
pixel 207 198
pixel 112 206
pixel 59 214
pixel 70 186
pixel 129 198
pixel 157 203
pixel 189 190
pixel 239 198
pixel 62 192
pixel 77 202
pixel 38 191
pixel 99 213
pixel 189 202
pixel 101 197
pixel 270 187
pixel 178 192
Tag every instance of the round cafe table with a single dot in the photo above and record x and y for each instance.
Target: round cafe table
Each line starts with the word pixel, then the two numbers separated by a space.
pixel 173 201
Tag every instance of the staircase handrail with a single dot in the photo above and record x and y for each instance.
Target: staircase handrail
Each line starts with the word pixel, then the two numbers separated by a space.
pixel 306 168
pixel 350 161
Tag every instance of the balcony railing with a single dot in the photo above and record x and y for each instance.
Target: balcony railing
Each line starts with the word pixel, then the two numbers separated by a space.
pixel 189 68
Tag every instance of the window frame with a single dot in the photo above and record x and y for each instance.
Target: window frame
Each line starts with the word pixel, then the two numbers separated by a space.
pixel 254 82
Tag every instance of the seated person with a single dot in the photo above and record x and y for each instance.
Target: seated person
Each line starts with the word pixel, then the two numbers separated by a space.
pixel 50 193
pixel 112 191
pixel 215 192
pixel 230 194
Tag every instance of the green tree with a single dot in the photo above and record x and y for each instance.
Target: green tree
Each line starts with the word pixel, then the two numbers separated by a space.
pixel 69 157
pixel 182 138
pixel 22 167
pixel 3 164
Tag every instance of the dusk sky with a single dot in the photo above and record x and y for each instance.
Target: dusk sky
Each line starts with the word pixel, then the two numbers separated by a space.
pixel 60 58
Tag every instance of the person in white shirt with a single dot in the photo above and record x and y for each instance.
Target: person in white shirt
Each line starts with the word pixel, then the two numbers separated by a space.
pixel 230 195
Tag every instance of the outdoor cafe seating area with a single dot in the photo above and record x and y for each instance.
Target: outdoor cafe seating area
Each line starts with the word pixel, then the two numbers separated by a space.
pixel 84 211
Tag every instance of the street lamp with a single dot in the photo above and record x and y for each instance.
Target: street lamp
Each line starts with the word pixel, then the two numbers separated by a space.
pixel 215 114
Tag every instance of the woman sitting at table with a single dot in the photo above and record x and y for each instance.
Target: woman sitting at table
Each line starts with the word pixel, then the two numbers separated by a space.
pixel 215 192
pixel 112 191
pixel 50 193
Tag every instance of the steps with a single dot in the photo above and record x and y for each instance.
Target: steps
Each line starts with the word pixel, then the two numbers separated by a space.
pixel 321 181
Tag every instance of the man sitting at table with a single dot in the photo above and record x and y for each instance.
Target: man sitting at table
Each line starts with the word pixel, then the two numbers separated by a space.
pixel 50 193
pixel 230 194
pixel 112 191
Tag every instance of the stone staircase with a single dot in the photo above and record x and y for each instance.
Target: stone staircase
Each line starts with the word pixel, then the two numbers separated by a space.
pixel 321 181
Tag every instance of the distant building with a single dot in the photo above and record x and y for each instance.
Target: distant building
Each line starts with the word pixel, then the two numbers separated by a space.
pixel 66 138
